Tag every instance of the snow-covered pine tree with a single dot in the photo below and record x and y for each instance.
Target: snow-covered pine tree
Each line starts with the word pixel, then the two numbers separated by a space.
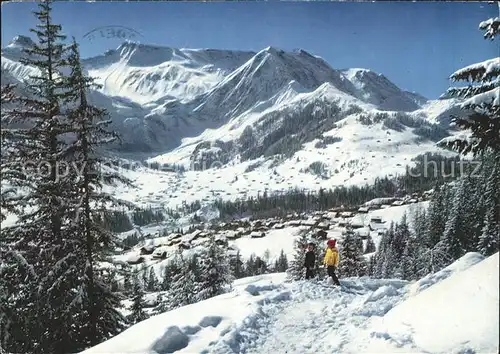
pixel 35 257
pixel 90 133
pixel 250 268
pixel 352 263
pixel 194 265
pixel 296 270
pixel 489 240
pixel 138 304
pixel 319 251
pixel 281 262
pixel 128 285
pixel 8 97
pixel 370 245
pixel 410 267
pixel 237 266
pixel 385 263
pixel 482 102
pixel 216 275
pixel 455 233
pixel 399 243
pixel 171 268
pixel 183 291
pixel 145 275
pixel 153 284
pixel 372 262
pixel 436 216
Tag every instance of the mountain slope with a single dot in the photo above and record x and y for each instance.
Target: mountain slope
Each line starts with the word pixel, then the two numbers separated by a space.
pixel 265 117
pixel 146 73
pixel 378 90
pixel 264 314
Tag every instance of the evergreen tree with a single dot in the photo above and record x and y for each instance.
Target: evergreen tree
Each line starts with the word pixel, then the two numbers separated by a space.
pixel 237 266
pixel 399 244
pixel 281 263
pixel 489 240
pixel 296 270
pixel 37 274
pixel 216 275
pixel 370 245
pixel 319 271
pixel 137 308
pixel 384 262
pixel 250 268
pixel 89 126
pixel 153 284
pixel 455 233
pixel 410 267
pixel 128 284
pixel 144 276
pixel 171 268
pixel 372 261
pixel 8 97
pixel 481 105
pixel 183 287
pixel 353 263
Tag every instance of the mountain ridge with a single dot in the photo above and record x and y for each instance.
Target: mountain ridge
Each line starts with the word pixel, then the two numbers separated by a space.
pixel 195 107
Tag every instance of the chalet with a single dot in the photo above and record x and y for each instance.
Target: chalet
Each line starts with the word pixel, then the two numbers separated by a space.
pixel 376 220
pixel 231 235
pixel 257 224
pixel 343 223
pixel 309 222
pixel 135 259
pixel 357 225
pixel 321 234
pixel 160 253
pixel 412 201
pixel 146 249
pixel 261 228
pixel 221 240
pixel 174 242
pixel 363 232
pixel 363 210
pixel 279 226
pixel 184 246
pixel 270 224
pixel 332 215
pixel 174 236
pixel 346 214
pixel 257 234
pixel 398 203
pixel 323 225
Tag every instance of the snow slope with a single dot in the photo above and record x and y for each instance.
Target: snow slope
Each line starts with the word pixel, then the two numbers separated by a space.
pixel 457 312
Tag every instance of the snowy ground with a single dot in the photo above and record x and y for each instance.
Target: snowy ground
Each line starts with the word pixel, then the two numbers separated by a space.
pixel 364 154
pixel 452 311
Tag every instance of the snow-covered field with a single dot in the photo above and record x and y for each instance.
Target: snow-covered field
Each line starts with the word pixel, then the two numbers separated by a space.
pixel 452 311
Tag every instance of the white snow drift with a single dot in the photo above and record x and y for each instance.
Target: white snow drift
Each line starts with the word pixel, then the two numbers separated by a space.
pixel 452 311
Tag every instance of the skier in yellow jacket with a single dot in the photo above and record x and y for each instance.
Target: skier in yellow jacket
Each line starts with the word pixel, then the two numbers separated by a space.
pixel 331 260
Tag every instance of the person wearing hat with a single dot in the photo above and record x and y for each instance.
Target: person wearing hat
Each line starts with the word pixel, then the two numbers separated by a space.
pixel 331 260
pixel 310 260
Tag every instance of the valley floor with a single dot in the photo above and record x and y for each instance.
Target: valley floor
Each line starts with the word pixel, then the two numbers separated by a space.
pixel 265 314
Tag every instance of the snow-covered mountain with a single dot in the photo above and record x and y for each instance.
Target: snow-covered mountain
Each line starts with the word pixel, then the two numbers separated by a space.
pixel 243 111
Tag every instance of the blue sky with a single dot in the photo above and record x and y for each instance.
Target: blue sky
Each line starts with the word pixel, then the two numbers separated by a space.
pixel 416 45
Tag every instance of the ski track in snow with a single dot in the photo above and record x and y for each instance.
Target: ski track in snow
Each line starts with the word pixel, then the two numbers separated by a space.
pixel 311 317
